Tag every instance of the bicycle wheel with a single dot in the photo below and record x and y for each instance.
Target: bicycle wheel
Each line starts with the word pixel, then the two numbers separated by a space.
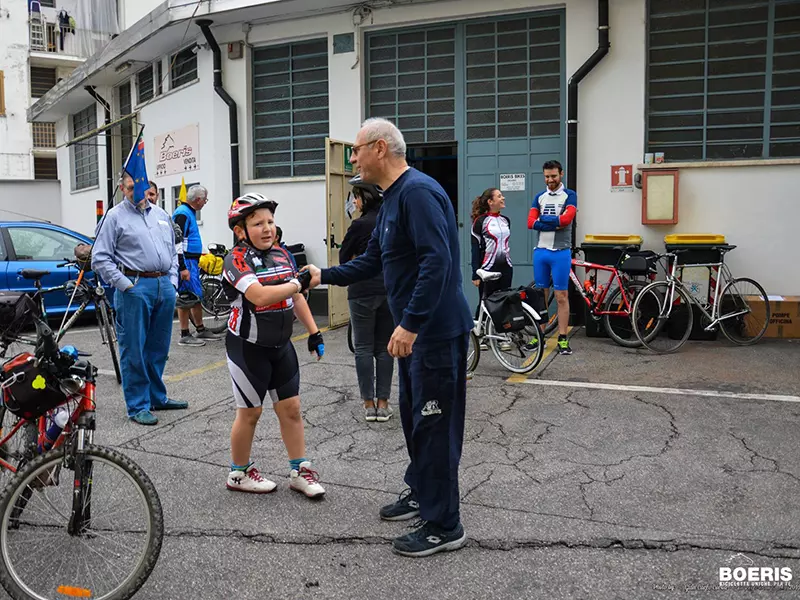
pixel 738 321
pixel 552 312
pixel 108 331
pixel 518 351
pixel 620 328
pixel 473 352
pixel 350 344
pixel 21 448
pixel 38 556
pixel 662 319
pixel 216 304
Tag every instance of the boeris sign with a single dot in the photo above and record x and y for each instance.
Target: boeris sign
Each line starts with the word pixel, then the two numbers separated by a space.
pixel 177 151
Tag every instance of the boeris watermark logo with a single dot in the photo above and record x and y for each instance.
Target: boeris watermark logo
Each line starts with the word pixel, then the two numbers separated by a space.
pixel 741 571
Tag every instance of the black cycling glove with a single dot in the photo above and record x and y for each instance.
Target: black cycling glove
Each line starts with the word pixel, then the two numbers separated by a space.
pixel 316 344
pixel 305 280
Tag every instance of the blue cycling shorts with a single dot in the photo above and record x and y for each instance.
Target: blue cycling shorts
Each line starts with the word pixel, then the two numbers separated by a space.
pixel 194 284
pixel 555 264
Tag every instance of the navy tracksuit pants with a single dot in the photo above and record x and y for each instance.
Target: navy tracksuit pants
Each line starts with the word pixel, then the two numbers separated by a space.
pixel 433 394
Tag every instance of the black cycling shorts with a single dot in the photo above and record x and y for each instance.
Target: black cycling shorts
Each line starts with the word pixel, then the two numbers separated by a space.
pixel 257 371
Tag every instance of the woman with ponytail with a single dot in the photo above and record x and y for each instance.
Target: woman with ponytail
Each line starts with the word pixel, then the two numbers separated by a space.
pixel 491 233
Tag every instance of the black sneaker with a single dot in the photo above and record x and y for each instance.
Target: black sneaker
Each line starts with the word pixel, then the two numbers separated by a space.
pixel 430 539
pixel 563 347
pixel 405 508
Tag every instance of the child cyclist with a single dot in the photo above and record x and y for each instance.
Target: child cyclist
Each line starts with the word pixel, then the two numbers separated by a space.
pixel 266 291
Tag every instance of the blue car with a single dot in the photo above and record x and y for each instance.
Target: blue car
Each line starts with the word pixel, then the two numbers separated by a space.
pixel 41 246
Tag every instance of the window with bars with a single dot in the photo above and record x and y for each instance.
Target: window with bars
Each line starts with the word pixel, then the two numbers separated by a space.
pixel 290 109
pixel 45 167
pixel 84 154
pixel 724 79
pixel 513 83
pixel 42 80
pixel 411 81
pixel 144 85
pixel 125 104
pixel 183 67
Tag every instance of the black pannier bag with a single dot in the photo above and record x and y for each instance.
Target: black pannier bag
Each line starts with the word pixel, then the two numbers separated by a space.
pixel 536 299
pixel 15 313
pixel 639 263
pixel 28 390
pixel 505 308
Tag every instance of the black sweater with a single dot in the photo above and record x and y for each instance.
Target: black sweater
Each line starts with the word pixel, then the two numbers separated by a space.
pixel 354 244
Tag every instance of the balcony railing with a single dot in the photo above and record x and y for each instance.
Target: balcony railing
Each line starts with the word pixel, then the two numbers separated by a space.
pixel 44 136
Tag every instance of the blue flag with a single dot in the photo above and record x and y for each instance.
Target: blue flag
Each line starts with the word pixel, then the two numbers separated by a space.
pixel 137 169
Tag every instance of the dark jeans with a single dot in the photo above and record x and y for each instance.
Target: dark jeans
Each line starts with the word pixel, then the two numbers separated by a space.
pixel 373 326
pixel 144 328
pixel 490 287
pixel 433 397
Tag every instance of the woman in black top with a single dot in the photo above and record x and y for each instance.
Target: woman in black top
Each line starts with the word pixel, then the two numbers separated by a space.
pixel 369 310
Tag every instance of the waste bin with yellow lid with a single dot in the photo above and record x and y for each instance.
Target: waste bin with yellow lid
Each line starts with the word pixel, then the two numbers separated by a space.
pixel 700 247
pixel 606 248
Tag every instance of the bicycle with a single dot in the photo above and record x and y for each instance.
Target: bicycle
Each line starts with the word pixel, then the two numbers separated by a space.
pixel 525 345
pixel 612 303
pixel 84 290
pixel 215 301
pixel 57 497
pixel 674 315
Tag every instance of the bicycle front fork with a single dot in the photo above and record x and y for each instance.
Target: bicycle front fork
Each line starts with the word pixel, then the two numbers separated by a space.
pixel 81 513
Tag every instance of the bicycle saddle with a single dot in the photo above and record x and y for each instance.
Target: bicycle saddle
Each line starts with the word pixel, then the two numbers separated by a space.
pixel 33 273
pixel 487 275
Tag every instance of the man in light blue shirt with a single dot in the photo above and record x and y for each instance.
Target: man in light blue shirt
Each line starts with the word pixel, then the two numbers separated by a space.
pixel 135 252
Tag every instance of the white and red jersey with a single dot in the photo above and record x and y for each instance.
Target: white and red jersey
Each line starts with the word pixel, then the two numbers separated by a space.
pixel 492 231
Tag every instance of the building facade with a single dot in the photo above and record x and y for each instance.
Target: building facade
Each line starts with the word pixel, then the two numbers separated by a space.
pixel 480 91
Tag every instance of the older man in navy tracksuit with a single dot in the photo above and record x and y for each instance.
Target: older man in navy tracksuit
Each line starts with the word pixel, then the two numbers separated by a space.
pixel 415 242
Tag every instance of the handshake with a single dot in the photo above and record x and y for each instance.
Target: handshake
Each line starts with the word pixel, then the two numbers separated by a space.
pixel 312 272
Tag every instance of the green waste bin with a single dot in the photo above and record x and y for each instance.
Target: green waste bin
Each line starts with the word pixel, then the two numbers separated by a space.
pixel 603 249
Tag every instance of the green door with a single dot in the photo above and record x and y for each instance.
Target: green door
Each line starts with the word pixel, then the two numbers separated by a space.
pixel 493 86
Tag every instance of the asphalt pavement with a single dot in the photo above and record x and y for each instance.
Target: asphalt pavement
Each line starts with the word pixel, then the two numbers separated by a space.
pixel 613 473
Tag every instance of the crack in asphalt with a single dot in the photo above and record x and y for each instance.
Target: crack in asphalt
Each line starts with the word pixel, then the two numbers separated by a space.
pixel 775 469
pixel 760 548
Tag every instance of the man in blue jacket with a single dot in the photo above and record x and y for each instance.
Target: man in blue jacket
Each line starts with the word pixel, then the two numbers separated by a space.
pixel 190 291
pixel 415 242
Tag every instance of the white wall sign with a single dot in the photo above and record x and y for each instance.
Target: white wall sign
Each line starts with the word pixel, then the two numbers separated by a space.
pixel 177 151
pixel 512 182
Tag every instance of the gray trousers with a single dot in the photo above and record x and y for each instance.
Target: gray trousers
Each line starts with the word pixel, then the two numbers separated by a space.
pixel 373 326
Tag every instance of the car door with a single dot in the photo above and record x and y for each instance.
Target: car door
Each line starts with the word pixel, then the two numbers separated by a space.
pixel 41 247
pixel 3 262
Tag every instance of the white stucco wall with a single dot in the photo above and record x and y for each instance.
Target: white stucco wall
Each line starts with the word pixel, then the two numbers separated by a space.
pixel 611 131
pixel 16 161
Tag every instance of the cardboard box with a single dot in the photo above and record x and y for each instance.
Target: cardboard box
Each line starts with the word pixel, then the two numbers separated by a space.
pixel 784 319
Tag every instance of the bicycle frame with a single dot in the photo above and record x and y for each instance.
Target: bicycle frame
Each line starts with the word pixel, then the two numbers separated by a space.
pixel 722 282
pixel 593 305
pixel 85 398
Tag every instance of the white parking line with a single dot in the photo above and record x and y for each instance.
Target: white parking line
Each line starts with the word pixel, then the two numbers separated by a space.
pixel 588 385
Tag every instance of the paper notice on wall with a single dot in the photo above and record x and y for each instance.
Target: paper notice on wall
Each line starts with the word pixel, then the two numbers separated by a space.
pixel 775 298
pixel 512 182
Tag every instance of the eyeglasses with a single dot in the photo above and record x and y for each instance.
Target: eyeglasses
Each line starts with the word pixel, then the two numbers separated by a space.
pixel 357 148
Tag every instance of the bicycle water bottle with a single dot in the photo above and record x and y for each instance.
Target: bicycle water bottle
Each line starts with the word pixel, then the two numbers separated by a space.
pixel 598 293
pixel 58 420
pixel 587 285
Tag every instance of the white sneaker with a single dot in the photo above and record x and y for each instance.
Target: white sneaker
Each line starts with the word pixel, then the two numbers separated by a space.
pixel 306 481
pixel 249 481
pixel 506 346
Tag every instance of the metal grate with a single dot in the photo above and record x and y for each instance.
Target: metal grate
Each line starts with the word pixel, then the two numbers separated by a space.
pixel 44 135
pixel 42 80
pixel 513 84
pixel 144 85
pixel 184 67
pixel 45 167
pixel 411 80
pixel 84 154
pixel 125 128
pixel 724 79
pixel 290 109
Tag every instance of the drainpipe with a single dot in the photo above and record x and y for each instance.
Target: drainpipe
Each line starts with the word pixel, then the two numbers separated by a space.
pixel 109 157
pixel 603 45
pixel 205 27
